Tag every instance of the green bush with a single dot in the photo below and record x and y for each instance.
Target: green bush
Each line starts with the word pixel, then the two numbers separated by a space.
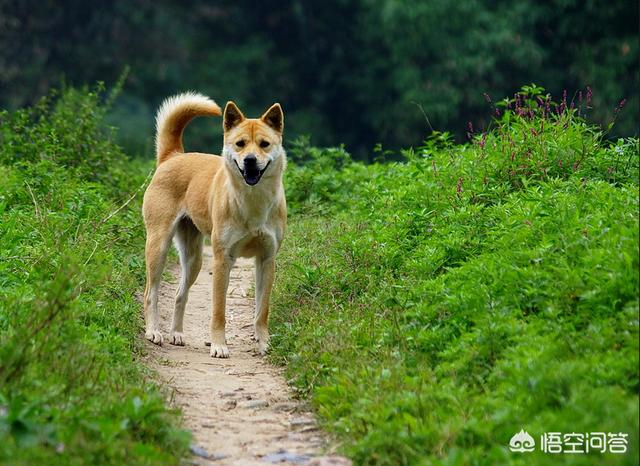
pixel 72 388
pixel 470 291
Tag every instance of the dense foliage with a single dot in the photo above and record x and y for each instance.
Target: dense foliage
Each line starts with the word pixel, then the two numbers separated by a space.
pixel 72 390
pixel 429 308
pixel 356 72
pixel 432 308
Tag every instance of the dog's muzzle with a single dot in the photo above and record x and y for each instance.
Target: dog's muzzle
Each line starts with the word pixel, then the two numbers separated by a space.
pixel 251 172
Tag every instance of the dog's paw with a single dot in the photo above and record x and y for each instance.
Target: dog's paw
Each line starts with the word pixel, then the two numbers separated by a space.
pixel 219 351
pixel 261 335
pixel 154 336
pixel 263 347
pixel 177 338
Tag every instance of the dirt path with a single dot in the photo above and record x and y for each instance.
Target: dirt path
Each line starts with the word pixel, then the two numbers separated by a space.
pixel 239 409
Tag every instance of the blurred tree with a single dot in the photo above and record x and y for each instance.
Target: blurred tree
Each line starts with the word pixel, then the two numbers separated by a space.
pixel 358 72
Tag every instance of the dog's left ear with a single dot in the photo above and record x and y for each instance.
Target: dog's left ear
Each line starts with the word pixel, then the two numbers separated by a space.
pixel 274 117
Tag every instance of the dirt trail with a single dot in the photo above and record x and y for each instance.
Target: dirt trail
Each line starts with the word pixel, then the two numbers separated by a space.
pixel 239 409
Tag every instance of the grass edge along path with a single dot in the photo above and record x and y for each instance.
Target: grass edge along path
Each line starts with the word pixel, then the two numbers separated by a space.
pixel 432 308
pixel 73 389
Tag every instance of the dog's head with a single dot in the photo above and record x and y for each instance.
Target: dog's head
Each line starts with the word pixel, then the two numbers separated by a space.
pixel 253 146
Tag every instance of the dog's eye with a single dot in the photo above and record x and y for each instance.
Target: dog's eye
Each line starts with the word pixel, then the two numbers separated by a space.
pixel 264 144
pixel 240 143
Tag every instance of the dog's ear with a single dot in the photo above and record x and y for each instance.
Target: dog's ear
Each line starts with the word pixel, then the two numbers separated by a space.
pixel 232 116
pixel 274 117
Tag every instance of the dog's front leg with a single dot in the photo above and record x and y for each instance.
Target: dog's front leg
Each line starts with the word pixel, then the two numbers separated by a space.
pixel 265 273
pixel 221 269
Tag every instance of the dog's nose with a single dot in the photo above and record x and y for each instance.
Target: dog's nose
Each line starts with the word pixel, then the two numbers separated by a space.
pixel 250 160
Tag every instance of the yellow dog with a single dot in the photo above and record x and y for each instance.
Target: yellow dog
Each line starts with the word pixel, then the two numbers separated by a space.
pixel 237 199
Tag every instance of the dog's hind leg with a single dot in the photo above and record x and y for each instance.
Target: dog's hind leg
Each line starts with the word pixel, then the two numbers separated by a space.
pixel 157 244
pixel 188 242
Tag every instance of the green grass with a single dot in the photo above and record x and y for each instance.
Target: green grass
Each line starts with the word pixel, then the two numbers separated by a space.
pixel 429 308
pixel 73 390
pixel 432 308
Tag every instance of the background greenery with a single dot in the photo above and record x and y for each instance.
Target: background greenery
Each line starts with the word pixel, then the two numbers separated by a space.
pixel 357 72
pixel 73 390
pixel 432 308
pixel 429 307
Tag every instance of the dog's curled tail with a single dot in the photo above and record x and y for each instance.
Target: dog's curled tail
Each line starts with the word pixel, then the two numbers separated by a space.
pixel 173 115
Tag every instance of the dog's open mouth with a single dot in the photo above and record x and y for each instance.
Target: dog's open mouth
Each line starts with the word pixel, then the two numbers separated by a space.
pixel 252 174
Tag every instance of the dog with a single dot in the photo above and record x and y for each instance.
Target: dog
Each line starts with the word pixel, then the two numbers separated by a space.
pixel 237 199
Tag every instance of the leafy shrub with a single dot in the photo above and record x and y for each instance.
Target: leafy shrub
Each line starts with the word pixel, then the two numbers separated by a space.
pixel 452 299
pixel 72 389
pixel 311 181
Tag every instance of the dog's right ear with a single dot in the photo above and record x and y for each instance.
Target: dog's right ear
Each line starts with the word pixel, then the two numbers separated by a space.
pixel 232 116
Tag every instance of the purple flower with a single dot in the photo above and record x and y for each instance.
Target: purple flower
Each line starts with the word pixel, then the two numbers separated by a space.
pixel 620 106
